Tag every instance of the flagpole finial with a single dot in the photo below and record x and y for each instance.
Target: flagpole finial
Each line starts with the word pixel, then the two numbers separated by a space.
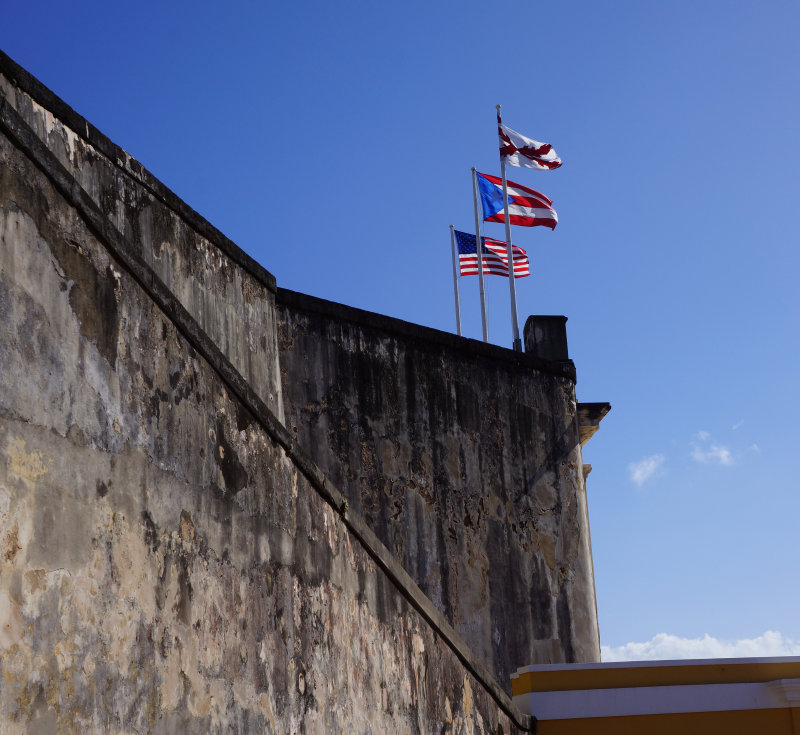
pixel 498 107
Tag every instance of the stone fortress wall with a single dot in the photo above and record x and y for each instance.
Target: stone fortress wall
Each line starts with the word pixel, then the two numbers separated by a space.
pixel 465 460
pixel 225 507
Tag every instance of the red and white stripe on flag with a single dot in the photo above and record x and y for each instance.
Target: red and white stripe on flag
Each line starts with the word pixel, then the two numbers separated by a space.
pixel 526 207
pixel 495 261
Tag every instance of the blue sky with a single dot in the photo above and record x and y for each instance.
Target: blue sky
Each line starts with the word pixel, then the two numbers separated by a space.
pixel 333 142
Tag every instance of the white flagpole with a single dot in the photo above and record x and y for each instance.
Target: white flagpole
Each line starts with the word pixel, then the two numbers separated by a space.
pixel 511 285
pixel 479 253
pixel 455 279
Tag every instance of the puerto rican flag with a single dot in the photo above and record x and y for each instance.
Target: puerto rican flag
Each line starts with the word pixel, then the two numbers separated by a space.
pixel 526 207
pixel 517 150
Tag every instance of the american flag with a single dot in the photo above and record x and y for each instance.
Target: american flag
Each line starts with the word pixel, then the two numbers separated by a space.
pixel 494 255
pixel 517 150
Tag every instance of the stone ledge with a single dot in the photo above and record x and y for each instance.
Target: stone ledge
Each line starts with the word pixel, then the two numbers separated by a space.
pixel 589 417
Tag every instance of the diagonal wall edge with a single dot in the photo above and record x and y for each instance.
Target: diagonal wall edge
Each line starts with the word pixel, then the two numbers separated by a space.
pixel 125 255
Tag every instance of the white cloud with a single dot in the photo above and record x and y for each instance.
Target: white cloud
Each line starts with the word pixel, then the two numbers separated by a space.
pixel 644 469
pixel 755 448
pixel 738 425
pixel 664 646
pixel 715 453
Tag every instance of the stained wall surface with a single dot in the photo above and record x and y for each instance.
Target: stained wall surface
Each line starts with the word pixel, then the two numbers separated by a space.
pixel 171 557
pixel 165 566
pixel 226 291
pixel 465 459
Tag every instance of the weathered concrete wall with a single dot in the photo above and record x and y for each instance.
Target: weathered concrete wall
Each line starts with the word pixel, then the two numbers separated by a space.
pixel 165 565
pixel 465 460
pixel 228 293
pixel 171 558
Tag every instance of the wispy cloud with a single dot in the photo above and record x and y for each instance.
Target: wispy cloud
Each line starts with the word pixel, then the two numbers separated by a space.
pixel 665 646
pixel 714 453
pixel 704 451
pixel 738 425
pixel 755 448
pixel 644 469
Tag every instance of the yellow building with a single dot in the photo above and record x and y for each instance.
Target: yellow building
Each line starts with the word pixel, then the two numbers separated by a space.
pixel 705 696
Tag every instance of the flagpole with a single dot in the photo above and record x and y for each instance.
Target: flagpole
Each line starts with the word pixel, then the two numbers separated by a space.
pixel 479 253
pixel 511 285
pixel 455 280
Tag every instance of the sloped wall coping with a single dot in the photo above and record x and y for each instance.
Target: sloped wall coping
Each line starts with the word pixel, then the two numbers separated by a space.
pixel 122 251
pixel 31 86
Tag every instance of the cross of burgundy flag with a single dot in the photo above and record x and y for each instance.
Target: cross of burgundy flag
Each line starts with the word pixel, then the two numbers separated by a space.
pixel 517 150
pixel 526 207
